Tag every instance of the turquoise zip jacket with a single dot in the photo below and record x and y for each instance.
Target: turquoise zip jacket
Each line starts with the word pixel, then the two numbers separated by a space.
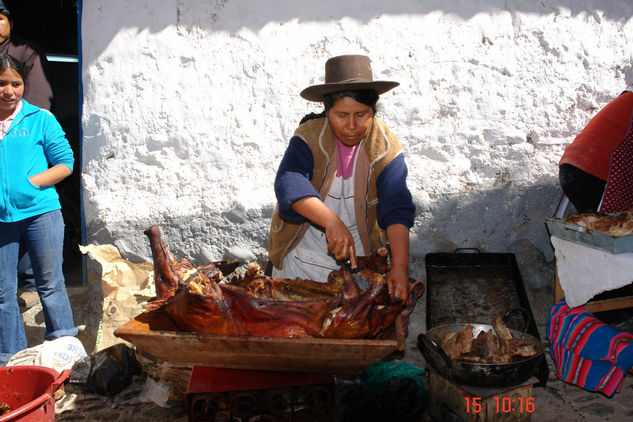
pixel 34 142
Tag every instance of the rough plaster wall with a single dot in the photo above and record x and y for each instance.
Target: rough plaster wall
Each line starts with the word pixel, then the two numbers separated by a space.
pixel 189 105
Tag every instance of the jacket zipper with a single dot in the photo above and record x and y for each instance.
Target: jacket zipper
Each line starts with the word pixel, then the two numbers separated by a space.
pixel 5 178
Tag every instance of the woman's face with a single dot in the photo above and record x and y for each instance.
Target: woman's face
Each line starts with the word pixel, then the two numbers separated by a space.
pixel 349 120
pixel 5 28
pixel 11 91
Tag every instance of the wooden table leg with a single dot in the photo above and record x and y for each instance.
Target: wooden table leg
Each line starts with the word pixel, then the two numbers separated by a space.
pixel 559 291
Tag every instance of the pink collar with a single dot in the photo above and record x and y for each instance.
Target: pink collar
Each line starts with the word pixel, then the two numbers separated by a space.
pixel 346 157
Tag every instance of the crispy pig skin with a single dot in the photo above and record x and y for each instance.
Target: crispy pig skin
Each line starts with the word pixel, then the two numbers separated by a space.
pixel 199 299
pixel 232 312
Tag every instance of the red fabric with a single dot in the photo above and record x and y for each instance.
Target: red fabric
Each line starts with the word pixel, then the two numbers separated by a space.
pixel 586 351
pixel 618 195
pixel 591 149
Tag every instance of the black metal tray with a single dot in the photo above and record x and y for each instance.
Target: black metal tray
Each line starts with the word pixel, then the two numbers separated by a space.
pixel 469 286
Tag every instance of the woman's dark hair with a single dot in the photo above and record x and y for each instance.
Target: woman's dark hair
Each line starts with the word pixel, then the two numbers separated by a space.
pixel 10 62
pixel 369 97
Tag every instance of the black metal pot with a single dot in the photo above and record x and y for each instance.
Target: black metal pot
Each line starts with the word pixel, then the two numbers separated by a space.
pixel 477 374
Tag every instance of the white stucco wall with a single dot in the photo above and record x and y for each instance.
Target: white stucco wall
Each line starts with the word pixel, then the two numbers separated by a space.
pixel 189 105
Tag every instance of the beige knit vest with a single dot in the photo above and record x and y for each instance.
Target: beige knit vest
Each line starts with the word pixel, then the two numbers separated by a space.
pixel 379 148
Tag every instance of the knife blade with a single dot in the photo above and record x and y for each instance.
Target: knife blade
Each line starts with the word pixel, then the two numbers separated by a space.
pixel 356 275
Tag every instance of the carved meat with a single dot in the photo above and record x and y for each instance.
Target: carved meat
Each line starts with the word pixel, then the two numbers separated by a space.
pixel 503 334
pixel 203 299
pixel 483 348
pixel 454 344
pixel 495 345
pixel 619 224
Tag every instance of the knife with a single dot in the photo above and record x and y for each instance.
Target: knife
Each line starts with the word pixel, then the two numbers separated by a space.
pixel 356 275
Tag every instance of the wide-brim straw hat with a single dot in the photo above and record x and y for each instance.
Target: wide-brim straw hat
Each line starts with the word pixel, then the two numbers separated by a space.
pixel 346 73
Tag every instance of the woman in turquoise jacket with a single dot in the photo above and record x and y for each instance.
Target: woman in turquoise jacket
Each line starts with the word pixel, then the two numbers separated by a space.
pixel 34 156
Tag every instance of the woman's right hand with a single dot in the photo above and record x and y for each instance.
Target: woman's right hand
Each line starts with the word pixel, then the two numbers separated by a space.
pixel 339 240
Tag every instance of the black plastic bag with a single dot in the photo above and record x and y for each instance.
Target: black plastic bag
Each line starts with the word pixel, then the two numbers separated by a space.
pixel 113 369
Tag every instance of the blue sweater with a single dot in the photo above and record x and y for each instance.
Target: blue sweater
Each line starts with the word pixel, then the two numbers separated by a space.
pixel 292 183
pixel 34 142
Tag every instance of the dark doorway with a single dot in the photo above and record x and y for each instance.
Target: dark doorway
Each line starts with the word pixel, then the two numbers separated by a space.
pixel 53 25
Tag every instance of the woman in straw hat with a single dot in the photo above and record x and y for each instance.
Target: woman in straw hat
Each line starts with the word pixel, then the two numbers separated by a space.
pixel 341 185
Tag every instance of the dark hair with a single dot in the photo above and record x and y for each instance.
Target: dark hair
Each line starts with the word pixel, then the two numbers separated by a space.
pixel 4 9
pixel 369 97
pixel 10 62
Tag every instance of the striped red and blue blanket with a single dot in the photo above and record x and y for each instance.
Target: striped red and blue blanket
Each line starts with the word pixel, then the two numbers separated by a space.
pixel 586 351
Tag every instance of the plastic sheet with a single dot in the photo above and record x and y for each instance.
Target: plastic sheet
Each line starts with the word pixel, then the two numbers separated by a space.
pixel 385 391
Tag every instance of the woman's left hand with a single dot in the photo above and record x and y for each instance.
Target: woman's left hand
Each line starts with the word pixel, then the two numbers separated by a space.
pixel 398 279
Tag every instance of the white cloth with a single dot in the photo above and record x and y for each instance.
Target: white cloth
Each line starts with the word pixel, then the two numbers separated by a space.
pixel 58 354
pixel 584 272
pixel 310 260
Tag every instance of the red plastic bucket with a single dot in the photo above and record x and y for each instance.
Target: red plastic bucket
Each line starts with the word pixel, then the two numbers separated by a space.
pixel 29 391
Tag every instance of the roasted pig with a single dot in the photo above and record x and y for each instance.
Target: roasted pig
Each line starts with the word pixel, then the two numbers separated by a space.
pixel 203 299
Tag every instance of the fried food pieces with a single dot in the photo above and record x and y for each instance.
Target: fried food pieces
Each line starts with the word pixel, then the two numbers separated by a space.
pixel 495 345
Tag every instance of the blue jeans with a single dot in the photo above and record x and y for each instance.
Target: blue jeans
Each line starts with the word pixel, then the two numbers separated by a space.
pixel 25 271
pixel 44 239
pixel 4 358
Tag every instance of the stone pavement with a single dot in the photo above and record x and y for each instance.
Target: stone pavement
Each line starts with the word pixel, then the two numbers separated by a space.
pixel 557 401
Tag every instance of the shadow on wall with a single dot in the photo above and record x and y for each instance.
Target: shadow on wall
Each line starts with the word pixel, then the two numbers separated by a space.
pixel 194 237
pixel 255 14
pixel 506 220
